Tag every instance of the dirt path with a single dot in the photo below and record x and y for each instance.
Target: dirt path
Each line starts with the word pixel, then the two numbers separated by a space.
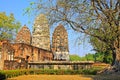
pixel 51 77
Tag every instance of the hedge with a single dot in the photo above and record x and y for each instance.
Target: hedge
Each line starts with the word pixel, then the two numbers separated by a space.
pixel 14 73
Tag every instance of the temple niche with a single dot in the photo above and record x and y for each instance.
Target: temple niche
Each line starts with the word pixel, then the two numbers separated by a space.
pixel 41 34
pixel 24 36
pixel 60 43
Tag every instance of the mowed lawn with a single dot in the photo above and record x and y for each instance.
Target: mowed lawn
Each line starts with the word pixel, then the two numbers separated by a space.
pixel 51 77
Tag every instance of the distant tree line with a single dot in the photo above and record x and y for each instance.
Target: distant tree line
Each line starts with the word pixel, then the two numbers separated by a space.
pixel 97 57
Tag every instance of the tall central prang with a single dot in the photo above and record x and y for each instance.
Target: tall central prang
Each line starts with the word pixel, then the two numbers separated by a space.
pixel 41 34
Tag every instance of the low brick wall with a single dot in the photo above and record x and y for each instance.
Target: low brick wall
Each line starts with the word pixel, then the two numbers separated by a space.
pixel 12 64
pixel 101 65
pixel 73 65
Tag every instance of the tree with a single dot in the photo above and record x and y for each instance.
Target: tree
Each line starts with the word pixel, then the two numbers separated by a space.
pixel 90 57
pixel 107 57
pixel 8 26
pixel 103 51
pixel 89 17
pixel 74 57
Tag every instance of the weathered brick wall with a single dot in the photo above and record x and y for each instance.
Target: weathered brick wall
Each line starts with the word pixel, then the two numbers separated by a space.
pixel 46 55
pixel 24 50
pixel 13 53
pixel 1 53
pixel 13 64
pixel 34 53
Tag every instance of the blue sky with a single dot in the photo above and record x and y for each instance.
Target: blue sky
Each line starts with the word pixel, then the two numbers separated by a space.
pixel 17 8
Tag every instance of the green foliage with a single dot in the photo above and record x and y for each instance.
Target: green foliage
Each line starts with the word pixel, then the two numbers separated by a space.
pixel 90 71
pixel 97 57
pixel 14 73
pixel 104 51
pixel 105 57
pixel 108 58
pixel 2 75
pixel 74 57
pixel 8 26
pixel 87 57
pixel 97 44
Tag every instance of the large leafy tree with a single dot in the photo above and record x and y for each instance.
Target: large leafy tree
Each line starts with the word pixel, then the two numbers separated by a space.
pixel 102 49
pixel 89 17
pixel 8 26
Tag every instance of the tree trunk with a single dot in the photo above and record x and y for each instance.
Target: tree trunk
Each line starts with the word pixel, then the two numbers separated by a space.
pixel 117 52
pixel 114 58
pixel 117 59
pixel 115 66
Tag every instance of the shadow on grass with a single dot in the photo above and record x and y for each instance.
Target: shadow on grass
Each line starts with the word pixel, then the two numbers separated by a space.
pixel 104 77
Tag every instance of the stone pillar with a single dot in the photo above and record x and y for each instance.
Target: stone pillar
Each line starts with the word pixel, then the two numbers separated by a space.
pixel 70 67
pixel 55 66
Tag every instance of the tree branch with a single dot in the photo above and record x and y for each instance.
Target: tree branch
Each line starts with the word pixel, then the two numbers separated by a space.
pixel 116 6
pixel 111 4
pixel 104 3
pixel 93 4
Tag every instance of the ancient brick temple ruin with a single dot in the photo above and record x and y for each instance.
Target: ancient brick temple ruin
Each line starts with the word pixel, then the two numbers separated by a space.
pixel 60 43
pixel 24 36
pixel 17 55
pixel 41 34
pixel 34 47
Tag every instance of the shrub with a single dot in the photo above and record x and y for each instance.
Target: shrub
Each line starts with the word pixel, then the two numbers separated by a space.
pixel 2 75
pixel 14 73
